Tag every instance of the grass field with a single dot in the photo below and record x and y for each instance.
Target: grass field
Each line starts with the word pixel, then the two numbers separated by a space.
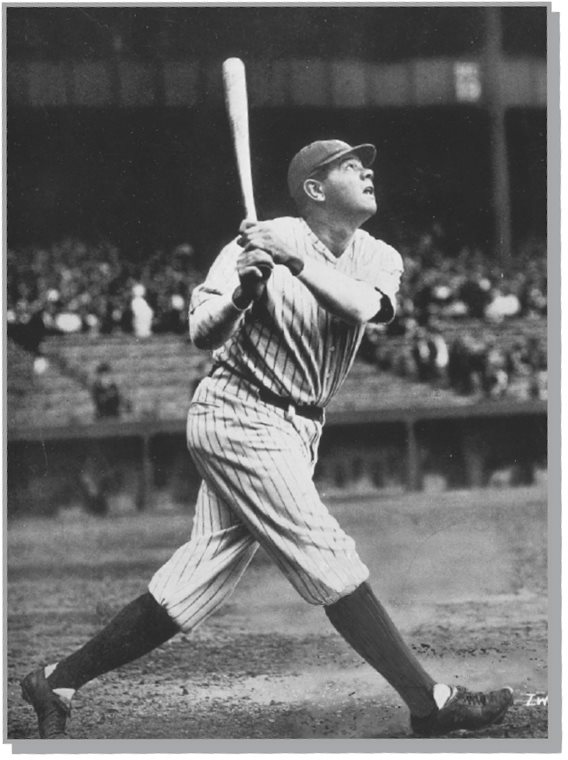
pixel 462 573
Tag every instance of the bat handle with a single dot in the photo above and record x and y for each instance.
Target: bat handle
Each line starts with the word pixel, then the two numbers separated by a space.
pixel 250 208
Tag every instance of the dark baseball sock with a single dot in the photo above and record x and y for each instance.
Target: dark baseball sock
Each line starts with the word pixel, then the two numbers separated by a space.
pixel 364 623
pixel 137 629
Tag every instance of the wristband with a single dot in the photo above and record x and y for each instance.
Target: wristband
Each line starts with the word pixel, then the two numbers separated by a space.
pixel 240 301
pixel 296 266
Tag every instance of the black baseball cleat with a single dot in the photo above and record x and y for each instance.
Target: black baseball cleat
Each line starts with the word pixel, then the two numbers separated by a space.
pixel 465 710
pixel 52 711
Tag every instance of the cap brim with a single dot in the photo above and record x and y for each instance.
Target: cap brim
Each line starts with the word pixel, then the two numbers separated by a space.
pixel 366 152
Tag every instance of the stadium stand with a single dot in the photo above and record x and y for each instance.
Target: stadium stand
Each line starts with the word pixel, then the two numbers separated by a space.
pixel 158 378
pixel 48 398
pixel 158 374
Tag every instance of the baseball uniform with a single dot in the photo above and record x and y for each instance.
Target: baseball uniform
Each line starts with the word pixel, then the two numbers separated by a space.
pixel 253 430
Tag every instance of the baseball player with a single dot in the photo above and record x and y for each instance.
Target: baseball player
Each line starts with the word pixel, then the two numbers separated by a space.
pixel 283 308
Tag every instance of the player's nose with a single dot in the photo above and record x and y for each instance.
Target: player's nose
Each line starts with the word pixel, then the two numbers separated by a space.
pixel 368 173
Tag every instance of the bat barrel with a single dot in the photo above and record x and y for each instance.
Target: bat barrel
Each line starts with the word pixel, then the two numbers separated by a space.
pixel 236 101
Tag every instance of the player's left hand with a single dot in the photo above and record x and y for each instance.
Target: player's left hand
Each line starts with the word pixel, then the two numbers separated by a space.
pixel 266 236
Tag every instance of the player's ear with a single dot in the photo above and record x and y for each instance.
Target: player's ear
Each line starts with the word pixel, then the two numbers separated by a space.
pixel 313 188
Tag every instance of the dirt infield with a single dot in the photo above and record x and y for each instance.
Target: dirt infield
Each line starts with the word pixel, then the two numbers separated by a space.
pixel 463 574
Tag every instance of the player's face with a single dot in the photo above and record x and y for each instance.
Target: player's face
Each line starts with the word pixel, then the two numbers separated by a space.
pixel 349 188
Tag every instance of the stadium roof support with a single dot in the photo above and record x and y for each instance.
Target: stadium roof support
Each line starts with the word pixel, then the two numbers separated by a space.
pixel 499 159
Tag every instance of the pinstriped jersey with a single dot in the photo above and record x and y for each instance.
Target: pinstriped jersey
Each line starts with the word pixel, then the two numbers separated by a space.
pixel 285 341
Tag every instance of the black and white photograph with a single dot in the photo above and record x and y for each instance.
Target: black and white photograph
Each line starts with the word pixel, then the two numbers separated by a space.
pixel 280 473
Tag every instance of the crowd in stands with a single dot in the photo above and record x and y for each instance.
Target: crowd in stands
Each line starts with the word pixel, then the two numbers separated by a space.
pixel 76 287
pixel 438 290
pixel 443 284
pixel 471 363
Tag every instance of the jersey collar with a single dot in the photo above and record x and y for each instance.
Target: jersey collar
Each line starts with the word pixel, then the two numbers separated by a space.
pixel 318 245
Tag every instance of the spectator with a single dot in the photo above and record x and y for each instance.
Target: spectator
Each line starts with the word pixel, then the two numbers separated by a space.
pixel 423 356
pixel 504 303
pixel 26 326
pixel 69 321
pixel 440 353
pixel 172 313
pixel 537 362
pixel 496 376
pixel 474 293
pixel 106 396
pixel 142 312
pixel 467 364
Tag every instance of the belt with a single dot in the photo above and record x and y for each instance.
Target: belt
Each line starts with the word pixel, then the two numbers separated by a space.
pixel 310 411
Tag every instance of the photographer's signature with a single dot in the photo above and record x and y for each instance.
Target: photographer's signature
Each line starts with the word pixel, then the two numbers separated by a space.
pixel 536 699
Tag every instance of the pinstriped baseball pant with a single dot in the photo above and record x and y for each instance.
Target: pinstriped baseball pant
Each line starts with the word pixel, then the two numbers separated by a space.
pixel 257 468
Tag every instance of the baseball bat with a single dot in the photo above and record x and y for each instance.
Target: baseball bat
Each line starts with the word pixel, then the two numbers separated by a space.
pixel 236 101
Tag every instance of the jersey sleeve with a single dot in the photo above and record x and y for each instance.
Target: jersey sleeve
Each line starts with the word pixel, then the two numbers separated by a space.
pixel 380 265
pixel 221 279
pixel 387 271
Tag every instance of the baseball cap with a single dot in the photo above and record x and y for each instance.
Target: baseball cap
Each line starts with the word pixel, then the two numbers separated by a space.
pixel 320 153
